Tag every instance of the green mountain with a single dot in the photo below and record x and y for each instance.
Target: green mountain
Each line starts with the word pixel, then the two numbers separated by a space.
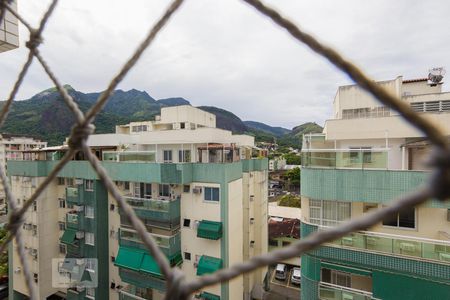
pixel 46 116
pixel 276 131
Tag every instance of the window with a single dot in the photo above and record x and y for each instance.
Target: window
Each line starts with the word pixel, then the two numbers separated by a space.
pixel 35 276
pixel 182 125
pixel 328 213
pixel 61 181
pixel 89 185
pixel 62 203
pixel 211 194
pixel 186 188
pixel 186 222
pixel 336 277
pixel 62 226
pixel 404 219
pixel 126 185
pixel 62 248
pixel 34 208
pixel 69 181
pixel 184 155
pixel 164 190
pixel 273 243
pixel 89 238
pixel 89 212
pixel 167 156
pixel 187 256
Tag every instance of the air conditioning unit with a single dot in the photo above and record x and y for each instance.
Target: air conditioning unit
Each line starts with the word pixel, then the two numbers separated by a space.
pixel 79 234
pixel 444 256
pixel 78 181
pixel 252 197
pixel 252 220
pixel 78 208
pixel 252 244
pixel 408 247
pixel 197 190
pixel 79 261
pixel 80 288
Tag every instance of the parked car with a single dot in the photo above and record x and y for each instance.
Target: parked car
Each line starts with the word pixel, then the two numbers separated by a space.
pixel 296 276
pixel 281 271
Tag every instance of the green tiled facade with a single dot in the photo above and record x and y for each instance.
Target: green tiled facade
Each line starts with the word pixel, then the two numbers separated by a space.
pixel 387 272
pixel 356 185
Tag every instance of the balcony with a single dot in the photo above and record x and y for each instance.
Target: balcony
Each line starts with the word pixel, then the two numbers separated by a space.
pixel 157 212
pixel 75 220
pixel 396 245
pixel 130 156
pixel 132 293
pixel 328 291
pixel 169 245
pixel 141 280
pixel 74 195
pixel 346 158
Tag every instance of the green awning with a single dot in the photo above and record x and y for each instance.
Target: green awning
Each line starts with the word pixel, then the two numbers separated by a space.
pixel 346 269
pixel 209 230
pixel 68 236
pixel 208 264
pixel 150 266
pixel 209 296
pixel 129 258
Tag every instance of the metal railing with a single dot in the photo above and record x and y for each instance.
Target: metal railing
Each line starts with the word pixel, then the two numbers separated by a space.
pixel 328 291
pixel 176 285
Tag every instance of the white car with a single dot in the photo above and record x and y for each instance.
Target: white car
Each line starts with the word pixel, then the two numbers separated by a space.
pixel 281 271
pixel 296 276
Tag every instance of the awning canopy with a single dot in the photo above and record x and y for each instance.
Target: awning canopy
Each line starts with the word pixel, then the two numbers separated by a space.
pixel 129 258
pixel 209 230
pixel 150 266
pixel 209 296
pixel 208 264
pixel 68 236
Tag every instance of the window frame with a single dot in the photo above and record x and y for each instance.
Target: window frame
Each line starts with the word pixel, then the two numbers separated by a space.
pixel 398 221
pixel 89 185
pixel 335 212
pixel 87 240
pixel 209 192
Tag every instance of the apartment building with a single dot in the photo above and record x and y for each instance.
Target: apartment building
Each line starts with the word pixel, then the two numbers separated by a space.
pixel 367 156
pixel 16 148
pixel 196 188
pixel 9 31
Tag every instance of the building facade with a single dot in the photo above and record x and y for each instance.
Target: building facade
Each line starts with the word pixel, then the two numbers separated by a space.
pixel 9 30
pixel 16 148
pixel 366 157
pixel 196 188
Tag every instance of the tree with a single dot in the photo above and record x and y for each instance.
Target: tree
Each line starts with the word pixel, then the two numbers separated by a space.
pixel 4 255
pixel 293 176
pixel 292 159
pixel 290 200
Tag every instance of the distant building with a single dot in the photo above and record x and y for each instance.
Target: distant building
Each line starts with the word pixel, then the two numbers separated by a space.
pixel 9 31
pixel 277 164
pixel 18 147
pixel 196 188
pixel 367 156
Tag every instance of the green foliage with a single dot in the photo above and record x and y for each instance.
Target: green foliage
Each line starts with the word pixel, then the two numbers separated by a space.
pixel 290 201
pixel 292 159
pixel 293 176
pixel 3 256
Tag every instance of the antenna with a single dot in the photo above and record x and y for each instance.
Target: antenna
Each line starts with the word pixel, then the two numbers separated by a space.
pixel 436 75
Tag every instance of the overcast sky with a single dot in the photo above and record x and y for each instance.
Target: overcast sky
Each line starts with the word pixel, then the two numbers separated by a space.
pixel 223 53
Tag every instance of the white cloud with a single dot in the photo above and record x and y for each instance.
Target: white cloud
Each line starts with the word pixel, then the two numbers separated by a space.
pixel 223 53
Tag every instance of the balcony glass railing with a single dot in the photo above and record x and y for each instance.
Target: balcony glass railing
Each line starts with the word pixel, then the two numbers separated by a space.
pixel 170 245
pixel 130 156
pixel 346 158
pixel 436 250
pixel 149 204
pixel 328 291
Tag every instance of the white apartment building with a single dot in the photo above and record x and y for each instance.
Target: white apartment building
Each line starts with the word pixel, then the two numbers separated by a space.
pixel 196 188
pixel 9 31
pixel 367 156
pixel 16 148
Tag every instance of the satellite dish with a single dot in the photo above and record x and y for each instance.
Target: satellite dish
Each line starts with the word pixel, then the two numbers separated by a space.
pixel 436 75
